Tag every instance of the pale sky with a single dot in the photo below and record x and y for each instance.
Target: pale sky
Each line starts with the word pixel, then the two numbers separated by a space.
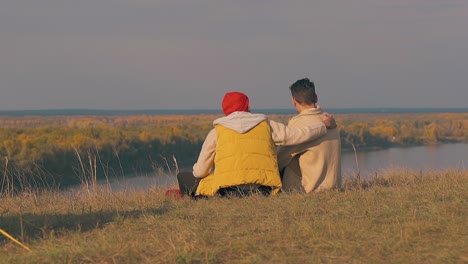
pixel 174 54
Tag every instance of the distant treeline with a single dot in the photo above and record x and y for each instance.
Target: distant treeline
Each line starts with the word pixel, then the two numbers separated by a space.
pixel 393 130
pixel 66 149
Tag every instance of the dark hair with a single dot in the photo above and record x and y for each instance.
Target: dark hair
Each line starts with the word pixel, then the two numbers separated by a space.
pixel 303 91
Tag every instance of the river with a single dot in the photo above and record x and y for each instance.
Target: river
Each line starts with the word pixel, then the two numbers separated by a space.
pixel 423 158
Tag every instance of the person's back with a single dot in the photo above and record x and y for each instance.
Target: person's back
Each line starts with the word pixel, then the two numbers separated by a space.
pixel 245 155
pixel 319 166
pixel 314 165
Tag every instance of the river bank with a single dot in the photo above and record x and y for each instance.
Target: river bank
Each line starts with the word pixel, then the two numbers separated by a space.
pixel 369 163
pixel 51 150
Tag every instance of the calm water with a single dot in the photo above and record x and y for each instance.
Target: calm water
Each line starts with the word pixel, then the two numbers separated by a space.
pixel 425 158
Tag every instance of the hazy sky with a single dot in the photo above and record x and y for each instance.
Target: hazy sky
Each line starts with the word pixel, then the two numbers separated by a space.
pixel 174 54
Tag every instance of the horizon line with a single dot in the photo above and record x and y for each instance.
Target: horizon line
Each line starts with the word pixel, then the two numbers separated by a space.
pixel 91 111
pixel 210 109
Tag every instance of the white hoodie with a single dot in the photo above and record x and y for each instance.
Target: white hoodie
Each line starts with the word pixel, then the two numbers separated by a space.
pixel 243 122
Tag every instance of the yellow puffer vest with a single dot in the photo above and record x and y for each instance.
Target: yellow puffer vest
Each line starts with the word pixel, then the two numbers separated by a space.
pixel 248 158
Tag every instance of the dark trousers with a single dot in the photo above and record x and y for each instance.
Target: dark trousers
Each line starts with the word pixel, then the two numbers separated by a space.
pixel 188 185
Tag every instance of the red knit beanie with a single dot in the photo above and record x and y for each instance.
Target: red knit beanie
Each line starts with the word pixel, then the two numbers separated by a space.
pixel 235 101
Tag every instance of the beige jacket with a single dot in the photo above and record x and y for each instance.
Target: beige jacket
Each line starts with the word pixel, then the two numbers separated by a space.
pixel 314 165
pixel 243 122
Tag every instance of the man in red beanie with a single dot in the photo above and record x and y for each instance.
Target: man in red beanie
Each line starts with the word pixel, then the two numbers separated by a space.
pixel 239 153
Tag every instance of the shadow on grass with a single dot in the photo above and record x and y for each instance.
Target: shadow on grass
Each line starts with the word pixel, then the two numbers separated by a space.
pixel 34 226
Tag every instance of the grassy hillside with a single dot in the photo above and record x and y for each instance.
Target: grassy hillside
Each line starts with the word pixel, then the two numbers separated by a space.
pixel 398 217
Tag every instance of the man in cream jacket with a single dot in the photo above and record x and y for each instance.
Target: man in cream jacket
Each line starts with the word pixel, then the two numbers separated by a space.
pixel 315 165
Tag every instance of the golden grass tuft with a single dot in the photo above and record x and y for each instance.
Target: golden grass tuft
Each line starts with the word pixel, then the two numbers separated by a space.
pixel 398 216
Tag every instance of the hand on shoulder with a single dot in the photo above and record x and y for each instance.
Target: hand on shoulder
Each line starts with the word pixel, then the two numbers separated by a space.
pixel 329 120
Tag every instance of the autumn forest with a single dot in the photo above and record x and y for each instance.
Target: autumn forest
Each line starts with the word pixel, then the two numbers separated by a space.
pixel 64 150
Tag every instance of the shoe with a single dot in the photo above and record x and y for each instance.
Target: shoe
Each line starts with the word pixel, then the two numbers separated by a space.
pixel 174 193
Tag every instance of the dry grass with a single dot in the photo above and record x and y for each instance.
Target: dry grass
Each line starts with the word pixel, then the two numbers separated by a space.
pixel 397 217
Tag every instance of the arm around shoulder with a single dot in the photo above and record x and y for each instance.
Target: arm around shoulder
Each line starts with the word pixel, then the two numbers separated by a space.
pixel 284 135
